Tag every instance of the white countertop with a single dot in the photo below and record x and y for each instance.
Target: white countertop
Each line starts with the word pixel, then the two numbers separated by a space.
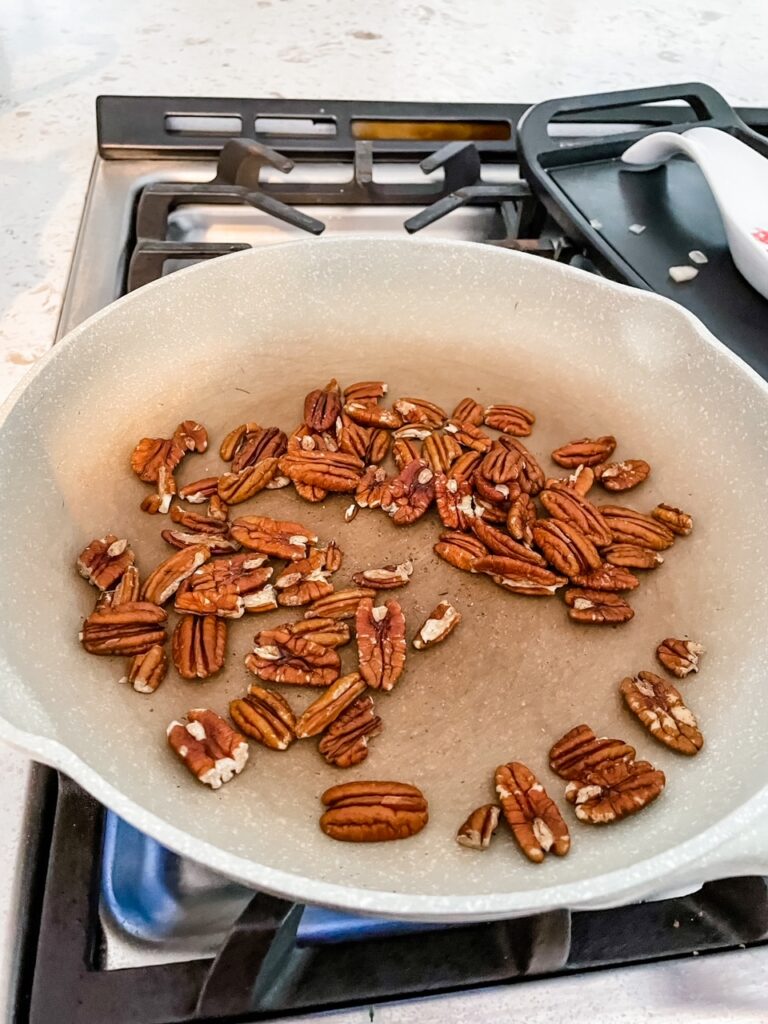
pixel 58 56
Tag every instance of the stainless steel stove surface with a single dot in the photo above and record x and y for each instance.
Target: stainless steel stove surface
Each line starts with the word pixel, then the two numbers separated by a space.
pixel 116 928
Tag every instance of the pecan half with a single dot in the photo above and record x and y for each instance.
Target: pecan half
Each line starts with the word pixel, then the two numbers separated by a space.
pixel 310 493
pixel 408 495
pixel 128 629
pixel 146 671
pixel 413 432
pixel 614 790
pixel 373 812
pixel 191 435
pixel 404 452
pixel 104 561
pixel 329 705
pixel 322 407
pixel 294 660
pixel 680 657
pixel 215 543
pixel 305 440
pixel 198 646
pixel 338 472
pixel 365 391
pixel 341 605
pixel 622 476
pixel 564 503
pixel 267 443
pixel 370 487
pixel 440 451
pixel 585 452
pixel 324 631
pixel 419 410
pixel 521 517
pixel 208 602
pixel 662 710
pixel 238 574
pixel 497 494
pixel 152 454
pixel 518 576
pixel 498 543
pixel 367 414
pixel 469 411
pixel 531 814
pixel 265 716
pixel 477 830
pixel 209 747
pixel 234 488
pixel 369 444
pixel 491 513
pixel 607 577
pixel 199 490
pixel 465 466
pixel 380 642
pixel 674 519
pixel 632 556
pixel 304 581
pixel 386 578
pixel 565 547
pixel 631 527
pixel 509 419
pixel 165 580
pixel 597 607
pixel 274 537
pixel 197 523
pixel 508 462
pixel 455 502
pixel 345 742
pixel 579 751
pixel 235 438
pixel 459 550
pixel 469 436
pixel 440 623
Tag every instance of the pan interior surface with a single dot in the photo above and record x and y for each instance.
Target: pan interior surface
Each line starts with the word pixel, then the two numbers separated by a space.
pixel 244 338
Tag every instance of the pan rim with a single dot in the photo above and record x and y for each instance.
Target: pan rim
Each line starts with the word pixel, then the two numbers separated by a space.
pixel 615 886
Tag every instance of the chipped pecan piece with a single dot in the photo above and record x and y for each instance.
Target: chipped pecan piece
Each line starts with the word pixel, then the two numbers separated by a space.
pixel 208 602
pixel 329 705
pixel 531 814
pixel 195 522
pixel 404 452
pixel 564 503
pixel 269 443
pixel 294 660
pixel 345 742
pixel 152 454
pixel 370 487
pixel 585 452
pixel 440 623
pixel 265 716
pixel 215 543
pixel 465 466
pixel 338 472
pixel 131 628
pixel 164 581
pixel 238 574
pixel 264 600
pixel 322 407
pixel 419 410
pixel 408 495
pixel 191 436
pixel 166 489
pixel 509 419
pixel 128 589
pixel 274 537
pixel 498 543
pixel 235 488
pixel 209 747
pixel 413 432
pixel 491 513
pixel 459 549
pixel 518 576
pixel 235 438
pixel 469 436
pixel 146 671
pixel 613 790
pixel 310 493
pixel 304 581
pixel 104 561
pixel 565 547
pixel 632 556
pixel 597 607
pixel 496 494
pixel 662 710
pixel 581 480
pixel 622 476
pixel 673 519
pixel 373 812
pixel 218 510
pixel 365 391
pixel 521 517
pixel 198 646
pixel 367 414
pixel 340 605
pixel 380 642
pixel 469 411
pixel 680 657
pixel 631 527
pixel 455 502
pixel 324 631
pixel 386 578
pixel 579 751
pixel 440 451
pixel 607 577
pixel 477 830
pixel 199 490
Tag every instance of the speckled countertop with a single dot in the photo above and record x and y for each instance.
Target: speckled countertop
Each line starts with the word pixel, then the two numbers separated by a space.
pixel 58 56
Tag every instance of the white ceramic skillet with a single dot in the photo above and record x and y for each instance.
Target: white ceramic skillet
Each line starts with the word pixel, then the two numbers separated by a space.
pixel 243 338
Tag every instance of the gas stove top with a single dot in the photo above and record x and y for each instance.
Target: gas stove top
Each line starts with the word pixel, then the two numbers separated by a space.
pixel 117 928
